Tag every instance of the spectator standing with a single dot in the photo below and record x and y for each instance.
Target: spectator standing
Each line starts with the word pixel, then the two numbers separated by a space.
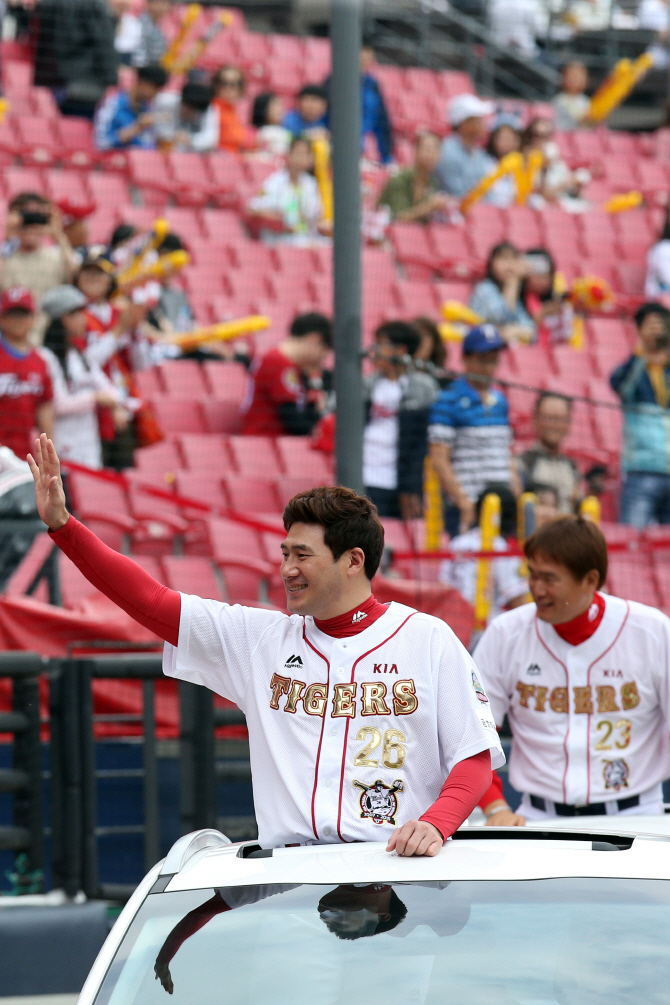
pixel 657 281
pixel 288 207
pixel 267 117
pixel 151 42
pixel 398 400
pixel 35 263
pixel 228 86
pixel 413 194
pixel 284 393
pixel 463 161
pixel 509 586
pixel 543 463
pixel 643 385
pixel 80 387
pixel 187 121
pixel 128 32
pixel 29 201
pixel 75 54
pixel 497 298
pixel 516 25
pixel 469 432
pixel 375 119
pixel 126 119
pixel 310 110
pixel 572 104
pixel 26 391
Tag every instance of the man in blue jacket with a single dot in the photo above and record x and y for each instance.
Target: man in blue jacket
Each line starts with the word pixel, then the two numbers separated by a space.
pixel 374 114
pixel 643 384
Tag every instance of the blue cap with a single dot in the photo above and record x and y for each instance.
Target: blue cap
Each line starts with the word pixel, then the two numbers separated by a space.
pixel 483 338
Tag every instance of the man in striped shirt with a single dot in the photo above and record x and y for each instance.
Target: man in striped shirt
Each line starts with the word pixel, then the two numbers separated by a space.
pixel 469 431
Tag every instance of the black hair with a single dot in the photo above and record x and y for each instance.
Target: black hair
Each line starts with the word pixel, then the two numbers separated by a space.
pixel 397 912
pixel 56 339
pixel 259 111
pixel 400 333
pixel 426 326
pixel 171 242
pixel 496 250
pixel 299 138
pixel 313 91
pixel 652 307
pixel 507 506
pixel 24 198
pixel 537 487
pixel 216 79
pixel 197 96
pixel 545 395
pixel 122 233
pixel 153 74
pixel 491 143
pixel 665 232
pixel 306 324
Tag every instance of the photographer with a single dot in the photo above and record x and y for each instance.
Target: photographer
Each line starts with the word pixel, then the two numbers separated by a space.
pixel 643 384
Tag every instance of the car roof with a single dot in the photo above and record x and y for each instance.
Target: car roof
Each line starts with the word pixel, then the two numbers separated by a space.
pixel 206 859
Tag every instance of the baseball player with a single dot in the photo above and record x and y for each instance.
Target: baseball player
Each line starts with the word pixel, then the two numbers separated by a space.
pixel 357 711
pixel 585 682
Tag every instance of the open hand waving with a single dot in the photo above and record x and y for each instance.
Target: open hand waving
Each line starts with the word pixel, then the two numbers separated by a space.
pixel 49 493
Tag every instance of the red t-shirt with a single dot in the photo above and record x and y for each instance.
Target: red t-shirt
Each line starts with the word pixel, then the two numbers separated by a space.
pixel 275 381
pixel 24 384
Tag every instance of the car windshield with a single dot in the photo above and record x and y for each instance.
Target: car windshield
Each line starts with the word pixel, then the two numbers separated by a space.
pixel 541 942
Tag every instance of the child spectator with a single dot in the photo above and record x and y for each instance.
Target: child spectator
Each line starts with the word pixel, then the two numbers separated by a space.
pixel 310 110
pixel 35 263
pixel 267 116
pixel 80 387
pixel 571 104
pixel 399 398
pixel 288 207
pixel 549 308
pixel 510 588
pixel 497 298
pixel 26 391
pixel 285 385
pixel 152 43
pixel 556 182
pixel 187 121
pixel 413 194
pixel 505 139
pixel 431 354
pixel 228 86
pixel 126 119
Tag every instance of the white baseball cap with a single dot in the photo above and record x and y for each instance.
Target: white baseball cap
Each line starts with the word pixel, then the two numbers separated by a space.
pixel 468 106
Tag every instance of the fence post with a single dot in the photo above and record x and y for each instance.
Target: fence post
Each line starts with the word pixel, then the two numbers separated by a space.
pixel 89 800
pixel 27 758
pixel 151 807
pixel 197 779
pixel 66 777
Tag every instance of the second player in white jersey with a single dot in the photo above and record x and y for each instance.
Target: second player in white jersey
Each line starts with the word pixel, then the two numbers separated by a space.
pixel 349 737
pixel 590 722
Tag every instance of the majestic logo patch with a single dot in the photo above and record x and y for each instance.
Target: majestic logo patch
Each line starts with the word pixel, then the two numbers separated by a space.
pixel 616 774
pixel 479 690
pixel 533 670
pixel 358 616
pixel 379 802
pixel 293 662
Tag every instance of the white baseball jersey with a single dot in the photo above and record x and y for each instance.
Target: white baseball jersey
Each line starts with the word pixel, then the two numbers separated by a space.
pixel 350 737
pixel 590 722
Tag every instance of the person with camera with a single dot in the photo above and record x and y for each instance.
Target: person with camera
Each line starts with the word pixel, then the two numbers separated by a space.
pixel 398 402
pixel 43 258
pixel 643 385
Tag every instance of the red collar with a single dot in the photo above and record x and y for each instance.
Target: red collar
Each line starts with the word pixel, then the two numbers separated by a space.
pixel 354 621
pixel 584 625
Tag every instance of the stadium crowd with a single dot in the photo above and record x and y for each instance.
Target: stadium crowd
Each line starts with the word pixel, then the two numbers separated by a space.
pixel 75 341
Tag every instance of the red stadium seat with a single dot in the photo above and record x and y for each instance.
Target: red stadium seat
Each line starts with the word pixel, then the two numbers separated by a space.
pixel 38 143
pixel 204 486
pixel 192 182
pixel 70 185
pixel 226 380
pixel 185 221
pixel 252 454
pixel 104 506
pixel 222 416
pixel 159 458
pixel 17 180
pixel 206 453
pixel 413 248
pixel 183 378
pixel 415 298
pixel 178 415
pixel 289 486
pixel 108 189
pixel 75 139
pixel 631 577
pixel 299 459
pixel 222 226
pixel 228 180
pixel 192 575
pixel 149 171
pixel 148 382
pixel 250 495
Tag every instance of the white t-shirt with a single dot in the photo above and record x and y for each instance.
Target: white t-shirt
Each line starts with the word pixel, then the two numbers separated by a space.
pixel 507 581
pixel 300 207
pixel 590 722
pixel 380 439
pixel 658 270
pixel 348 737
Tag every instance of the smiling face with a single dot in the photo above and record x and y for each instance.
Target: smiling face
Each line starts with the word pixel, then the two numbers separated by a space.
pixel 559 597
pixel 315 583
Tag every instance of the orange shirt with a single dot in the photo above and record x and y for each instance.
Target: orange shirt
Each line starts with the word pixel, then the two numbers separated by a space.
pixel 233 134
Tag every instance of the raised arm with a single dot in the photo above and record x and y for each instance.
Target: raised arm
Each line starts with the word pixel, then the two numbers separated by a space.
pixel 145 599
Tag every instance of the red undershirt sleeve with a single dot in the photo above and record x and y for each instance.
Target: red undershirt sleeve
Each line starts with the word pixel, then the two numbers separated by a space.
pixel 189 925
pixel 494 793
pixel 466 784
pixel 133 590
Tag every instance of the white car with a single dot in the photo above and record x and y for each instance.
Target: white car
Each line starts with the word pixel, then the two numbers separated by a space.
pixel 576 914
